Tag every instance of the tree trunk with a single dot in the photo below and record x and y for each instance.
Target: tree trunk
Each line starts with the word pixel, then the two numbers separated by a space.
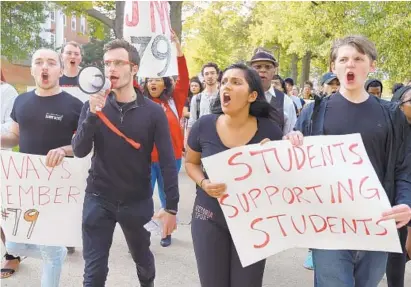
pixel 305 75
pixel 118 22
pixel 175 17
pixel 294 67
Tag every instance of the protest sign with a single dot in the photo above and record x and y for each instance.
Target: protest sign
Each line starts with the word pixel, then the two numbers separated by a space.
pixel 74 91
pixel 147 26
pixel 324 194
pixel 42 205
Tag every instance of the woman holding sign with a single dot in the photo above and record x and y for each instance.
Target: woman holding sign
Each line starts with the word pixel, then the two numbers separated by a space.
pixel 242 116
pixel 161 91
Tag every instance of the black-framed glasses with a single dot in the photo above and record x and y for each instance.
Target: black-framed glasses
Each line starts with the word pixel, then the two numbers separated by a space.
pixel 404 102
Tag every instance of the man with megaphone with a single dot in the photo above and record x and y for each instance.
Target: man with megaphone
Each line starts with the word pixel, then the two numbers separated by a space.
pixel 123 128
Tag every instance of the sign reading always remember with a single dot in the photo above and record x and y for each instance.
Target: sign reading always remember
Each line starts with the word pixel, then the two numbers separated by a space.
pixel 42 205
pixel 324 194
pixel 147 26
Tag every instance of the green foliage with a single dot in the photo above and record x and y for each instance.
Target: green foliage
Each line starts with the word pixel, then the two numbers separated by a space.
pixel 298 27
pixel 20 28
pixel 215 34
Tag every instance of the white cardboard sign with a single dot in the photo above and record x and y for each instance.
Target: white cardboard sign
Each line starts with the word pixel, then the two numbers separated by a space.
pixel 324 195
pixel 147 26
pixel 42 205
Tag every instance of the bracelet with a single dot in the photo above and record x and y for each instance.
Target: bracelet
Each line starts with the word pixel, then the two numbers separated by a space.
pixel 172 212
pixel 201 182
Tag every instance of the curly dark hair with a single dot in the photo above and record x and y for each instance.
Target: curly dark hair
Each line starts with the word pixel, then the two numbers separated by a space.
pixel 167 92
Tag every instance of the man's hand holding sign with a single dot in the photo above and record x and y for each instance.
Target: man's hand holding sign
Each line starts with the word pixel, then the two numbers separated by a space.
pixel 321 194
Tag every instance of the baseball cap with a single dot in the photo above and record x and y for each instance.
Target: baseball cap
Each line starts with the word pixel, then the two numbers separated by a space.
pixel 261 55
pixel 328 78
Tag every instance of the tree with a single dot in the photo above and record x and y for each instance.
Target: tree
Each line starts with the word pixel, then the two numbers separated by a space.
pixel 215 33
pixel 20 28
pixel 111 14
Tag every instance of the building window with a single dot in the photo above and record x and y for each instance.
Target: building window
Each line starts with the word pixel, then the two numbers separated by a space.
pixel 64 20
pixel 83 25
pixel 73 23
pixel 53 40
pixel 52 16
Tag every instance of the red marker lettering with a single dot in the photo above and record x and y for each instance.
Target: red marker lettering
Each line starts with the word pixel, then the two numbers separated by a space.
pixel 222 199
pixel 232 163
pixel 267 236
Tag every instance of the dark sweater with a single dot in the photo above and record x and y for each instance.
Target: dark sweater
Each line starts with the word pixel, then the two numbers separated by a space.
pixel 118 171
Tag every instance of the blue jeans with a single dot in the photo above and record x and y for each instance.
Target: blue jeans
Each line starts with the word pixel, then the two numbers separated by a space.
pixel 157 176
pixel 348 268
pixel 52 256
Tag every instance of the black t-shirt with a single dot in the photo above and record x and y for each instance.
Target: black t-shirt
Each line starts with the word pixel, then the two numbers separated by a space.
pixel 367 118
pixel 68 81
pixel 45 123
pixel 204 138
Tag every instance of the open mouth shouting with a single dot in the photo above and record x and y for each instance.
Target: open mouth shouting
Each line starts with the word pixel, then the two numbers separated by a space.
pixel 113 79
pixel 45 78
pixel 72 63
pixel 226 99
pixel 350 77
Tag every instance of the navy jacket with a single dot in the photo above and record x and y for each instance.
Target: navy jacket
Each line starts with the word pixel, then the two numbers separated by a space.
pixel 118 171
pixel 397 180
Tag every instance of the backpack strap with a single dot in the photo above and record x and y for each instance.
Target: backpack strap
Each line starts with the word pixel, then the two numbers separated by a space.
pixel 114 129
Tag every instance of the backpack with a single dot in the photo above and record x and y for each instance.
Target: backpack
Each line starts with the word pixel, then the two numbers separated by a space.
pixel 198 100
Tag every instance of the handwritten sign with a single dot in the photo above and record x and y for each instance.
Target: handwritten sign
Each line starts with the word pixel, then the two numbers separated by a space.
pixel 74 91
pixel 324 194
pixel 42 205
pixel 147 26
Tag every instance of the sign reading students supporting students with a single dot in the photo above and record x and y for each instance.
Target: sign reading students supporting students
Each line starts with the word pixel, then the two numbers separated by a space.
pixel 39 204
pixel 147 26
pixel 324 194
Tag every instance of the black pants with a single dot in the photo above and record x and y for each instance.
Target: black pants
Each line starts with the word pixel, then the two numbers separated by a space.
pixel 217 259
pixel 99 220
pixel 396 262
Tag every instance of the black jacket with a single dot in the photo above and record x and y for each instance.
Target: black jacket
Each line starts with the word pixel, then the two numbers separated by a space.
pixel 118 171
pixel 397 180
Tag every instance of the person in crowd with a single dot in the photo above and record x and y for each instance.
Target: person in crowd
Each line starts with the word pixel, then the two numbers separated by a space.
pixel 123 128
pixel 201 103
pixel 243 116
pixel 387 140
pixel 329 84
pixel 44 121
pixel 267 66
pixel 196 87
pixel 374 87
pixel 396 261
pixel 8 95
pixel 308 92
pixel 71 53
pixel 172 100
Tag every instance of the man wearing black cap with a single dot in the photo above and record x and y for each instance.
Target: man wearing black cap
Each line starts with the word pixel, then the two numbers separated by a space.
pixel 266 66
pixel 329 84
pixel 374 87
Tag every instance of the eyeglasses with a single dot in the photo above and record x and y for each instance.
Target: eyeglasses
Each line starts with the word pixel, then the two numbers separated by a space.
pixel 117 63
pixel 404 102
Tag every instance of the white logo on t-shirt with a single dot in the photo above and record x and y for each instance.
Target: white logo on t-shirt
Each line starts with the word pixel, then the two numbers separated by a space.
pixel 54 117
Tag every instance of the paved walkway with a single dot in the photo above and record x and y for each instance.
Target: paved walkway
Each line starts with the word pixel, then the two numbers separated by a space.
pixel 175 265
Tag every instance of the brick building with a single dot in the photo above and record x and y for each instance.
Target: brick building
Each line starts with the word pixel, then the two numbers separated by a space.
pixel 58 29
